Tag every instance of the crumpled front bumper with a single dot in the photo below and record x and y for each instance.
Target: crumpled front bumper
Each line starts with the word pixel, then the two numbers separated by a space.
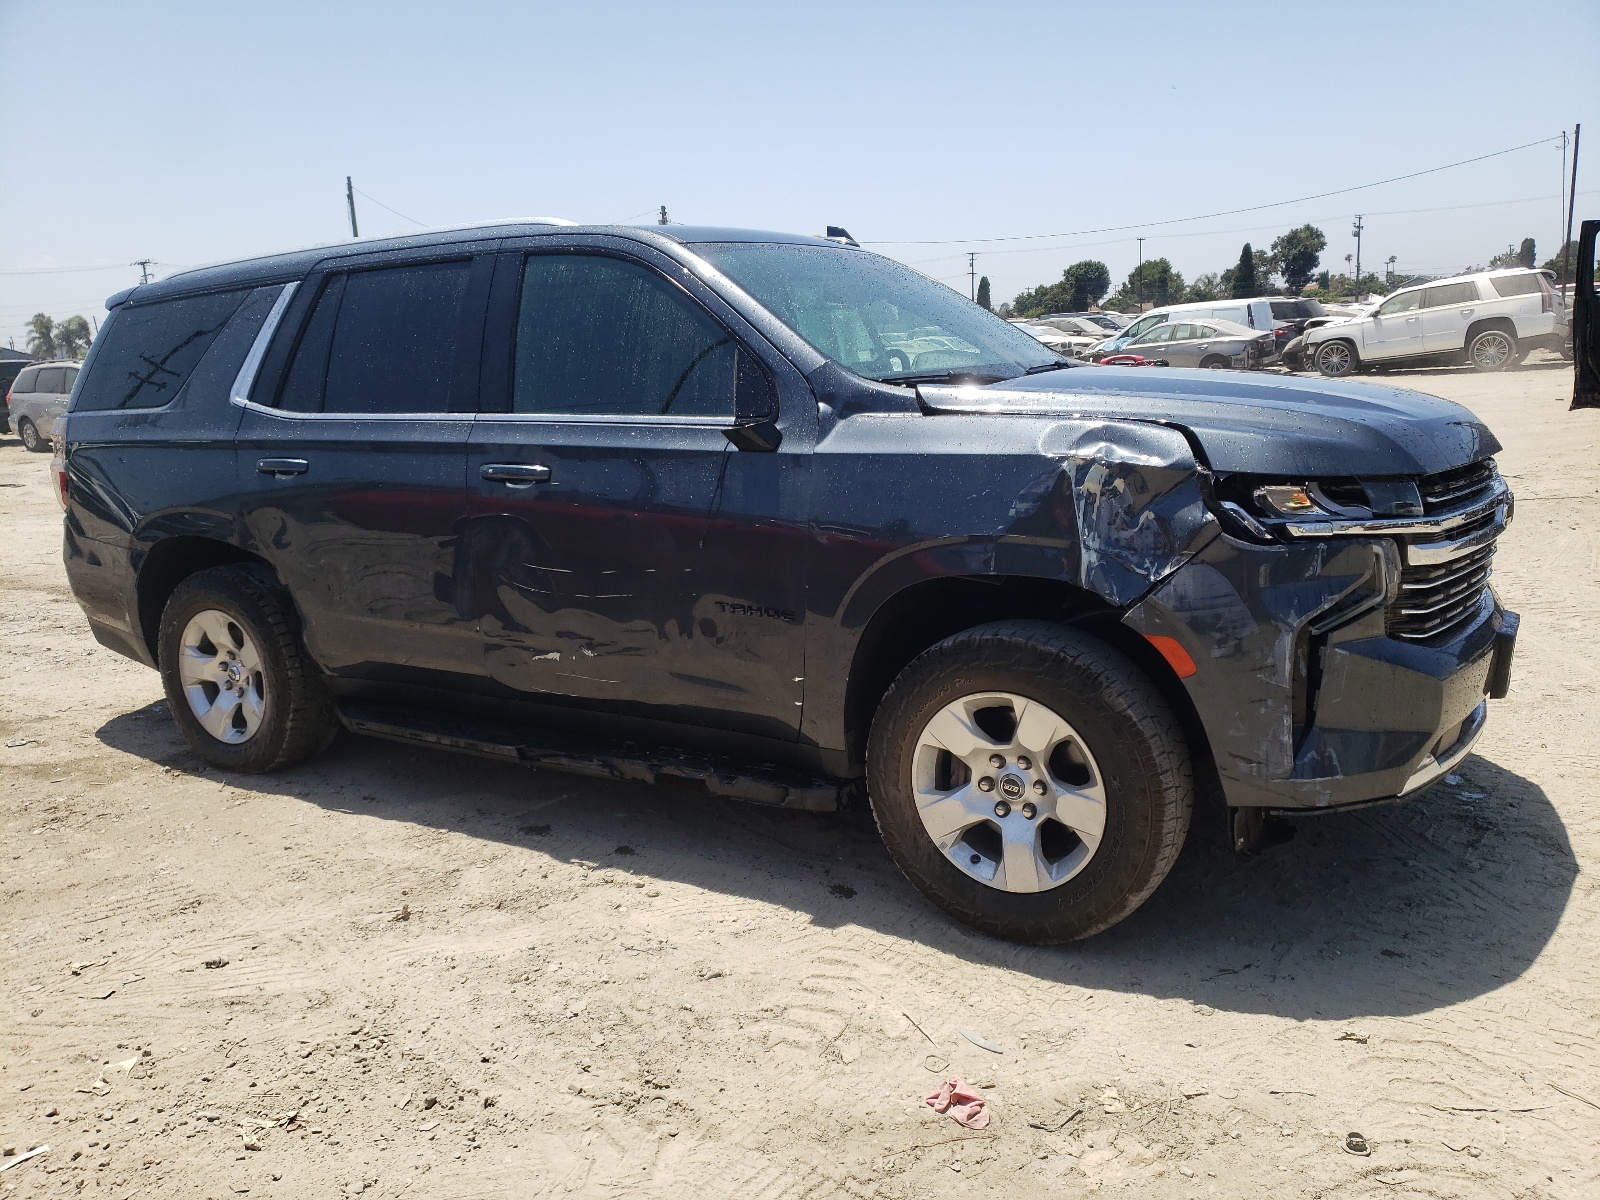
pixel 1308 703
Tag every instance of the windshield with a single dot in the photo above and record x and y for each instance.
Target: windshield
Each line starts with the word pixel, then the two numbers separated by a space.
pixel 873 315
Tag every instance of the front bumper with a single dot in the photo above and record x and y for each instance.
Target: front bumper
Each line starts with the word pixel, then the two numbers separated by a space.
pixel 1306 700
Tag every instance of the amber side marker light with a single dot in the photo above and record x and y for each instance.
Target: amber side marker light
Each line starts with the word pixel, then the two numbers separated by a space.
pixel 1172 650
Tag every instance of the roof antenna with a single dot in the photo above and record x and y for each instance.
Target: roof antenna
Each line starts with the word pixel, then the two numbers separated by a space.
pixel 663 218
pixel 842 236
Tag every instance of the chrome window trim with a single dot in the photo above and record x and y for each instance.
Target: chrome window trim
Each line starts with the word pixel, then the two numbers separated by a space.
pixel 246 378
pixel 650 419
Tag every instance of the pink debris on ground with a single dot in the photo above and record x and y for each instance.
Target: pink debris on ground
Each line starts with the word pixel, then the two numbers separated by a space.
pixel 961 1104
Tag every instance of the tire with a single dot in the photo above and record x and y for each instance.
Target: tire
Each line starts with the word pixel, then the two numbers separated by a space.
pixel 1492 350
pixel 1113 736
pixel 279 712
pixel 1215 363
pixel 1336 359
pixel 29 433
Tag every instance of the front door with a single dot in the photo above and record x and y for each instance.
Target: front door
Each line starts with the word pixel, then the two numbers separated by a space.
pixel 1394 330
pixel 352 462
pixel 1447 310
pixel 603 570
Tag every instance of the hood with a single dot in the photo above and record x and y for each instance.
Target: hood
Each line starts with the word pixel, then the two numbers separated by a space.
pixel 1270 425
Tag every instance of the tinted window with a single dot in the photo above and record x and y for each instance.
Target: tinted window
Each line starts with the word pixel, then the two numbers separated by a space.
pixel 69 377
pixel 213 378
pixel 26 380
pixel 145 352
pixel 1516 285
pixel 1404 302
pixel 1449 293
pixel 49 380
pixel 394 345
pixel 602 336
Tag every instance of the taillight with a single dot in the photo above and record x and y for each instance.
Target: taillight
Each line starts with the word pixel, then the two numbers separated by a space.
pixel 61 487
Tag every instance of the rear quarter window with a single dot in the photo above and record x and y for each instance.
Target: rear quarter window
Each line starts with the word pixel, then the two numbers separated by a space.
pixel 1516 285
pixel 26 380
pixel 146 353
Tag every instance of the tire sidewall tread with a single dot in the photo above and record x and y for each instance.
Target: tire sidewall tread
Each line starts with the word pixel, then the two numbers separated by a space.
pixel 1130 729
pixel 300 719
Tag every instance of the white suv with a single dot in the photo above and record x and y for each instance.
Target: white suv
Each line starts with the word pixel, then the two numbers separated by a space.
pixel 1490 320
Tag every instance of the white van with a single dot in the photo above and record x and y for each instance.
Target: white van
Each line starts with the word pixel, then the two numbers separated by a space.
pixel 1253 314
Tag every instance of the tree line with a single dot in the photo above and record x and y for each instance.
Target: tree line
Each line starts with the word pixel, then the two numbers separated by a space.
pixel 1294 258
pixel 49 338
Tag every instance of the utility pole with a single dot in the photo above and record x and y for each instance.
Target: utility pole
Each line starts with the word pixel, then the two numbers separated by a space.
pixel 1357 232
pixel 350 198
pixel 972 276
pixel 662 220
pixel 144 265
pixel 1572 195
pixel 1138 286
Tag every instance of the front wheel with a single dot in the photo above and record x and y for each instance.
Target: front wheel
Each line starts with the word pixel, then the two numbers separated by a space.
pixel 1492 350
pixel 1029 780
pixel 29 433
pixel 242 689
pixel 1335 359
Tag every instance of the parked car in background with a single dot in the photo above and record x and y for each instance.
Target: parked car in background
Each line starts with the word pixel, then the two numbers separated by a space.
pixel 1252 314
pixel 1490 319
pixel 37 398
pixel 1212 344
pixel 1066 344
pixel 1109 321
pixel 10 368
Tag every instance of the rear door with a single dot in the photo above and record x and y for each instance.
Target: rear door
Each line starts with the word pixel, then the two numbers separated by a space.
pixel 1395 329
pixel 620 557
pixel 1447 310
pixel 352 460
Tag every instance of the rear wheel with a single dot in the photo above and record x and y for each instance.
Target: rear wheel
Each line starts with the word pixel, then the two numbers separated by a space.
pixel 242 689
pixel 1492 350
pixel 1335 359
pixel 1029 780
pixel 1215 363
pixel 29 433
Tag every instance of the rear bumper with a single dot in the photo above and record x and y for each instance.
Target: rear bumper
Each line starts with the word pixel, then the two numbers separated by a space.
pixel 1306 700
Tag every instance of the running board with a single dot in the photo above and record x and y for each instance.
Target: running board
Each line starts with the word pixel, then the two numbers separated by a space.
pixel 578 754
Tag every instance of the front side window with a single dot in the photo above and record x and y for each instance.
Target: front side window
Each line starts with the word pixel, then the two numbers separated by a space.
pixel 874 316
pixel 1161 333
pixel 146 352
pixel 1144 323
pixel 382 341
pixel 1404 302
pixel 601 336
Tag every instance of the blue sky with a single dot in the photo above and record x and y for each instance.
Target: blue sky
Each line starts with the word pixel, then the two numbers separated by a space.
pixel 190 132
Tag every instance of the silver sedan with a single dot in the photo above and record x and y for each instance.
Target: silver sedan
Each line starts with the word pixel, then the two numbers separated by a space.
pixel 1208 343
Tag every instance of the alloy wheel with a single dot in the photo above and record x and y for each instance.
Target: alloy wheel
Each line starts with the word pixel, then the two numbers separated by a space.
pixel 1334 359
pixel 1009 792
pixel 1491 351
pixel 219 668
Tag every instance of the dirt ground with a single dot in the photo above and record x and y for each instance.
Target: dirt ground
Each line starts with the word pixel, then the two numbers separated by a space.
pixel 412 974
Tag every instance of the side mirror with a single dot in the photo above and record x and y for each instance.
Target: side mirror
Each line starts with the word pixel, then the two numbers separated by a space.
pixel 755 407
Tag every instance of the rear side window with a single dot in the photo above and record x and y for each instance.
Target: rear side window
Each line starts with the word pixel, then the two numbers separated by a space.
pixel 50 379
pixel 26 380
pixel 606 337
pixel 145 353
pixel 381 341
pixel 1517 285
pixel 1449 293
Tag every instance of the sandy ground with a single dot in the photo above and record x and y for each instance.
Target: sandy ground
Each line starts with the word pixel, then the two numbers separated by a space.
pixel 412 974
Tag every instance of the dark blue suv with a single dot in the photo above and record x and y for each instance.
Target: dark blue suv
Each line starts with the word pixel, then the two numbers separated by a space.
pixel 788 518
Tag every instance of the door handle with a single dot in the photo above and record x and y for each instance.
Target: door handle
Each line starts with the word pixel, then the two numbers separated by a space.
pixel 515 474
pixel 281 468
pixel 1466 312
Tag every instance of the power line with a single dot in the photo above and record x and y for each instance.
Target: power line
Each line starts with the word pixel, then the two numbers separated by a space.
pixel 395 211
pixel 1230 212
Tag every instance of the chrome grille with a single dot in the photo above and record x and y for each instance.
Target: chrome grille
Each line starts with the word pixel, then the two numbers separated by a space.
pixel 1457 487
pixel 1437 598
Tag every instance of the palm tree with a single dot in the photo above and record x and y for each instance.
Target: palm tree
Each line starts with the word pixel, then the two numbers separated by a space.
pixel 72 337
pixel 42 336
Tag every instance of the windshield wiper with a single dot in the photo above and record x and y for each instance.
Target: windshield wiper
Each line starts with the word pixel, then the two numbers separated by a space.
pixel 1062 365
pixel 944 377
